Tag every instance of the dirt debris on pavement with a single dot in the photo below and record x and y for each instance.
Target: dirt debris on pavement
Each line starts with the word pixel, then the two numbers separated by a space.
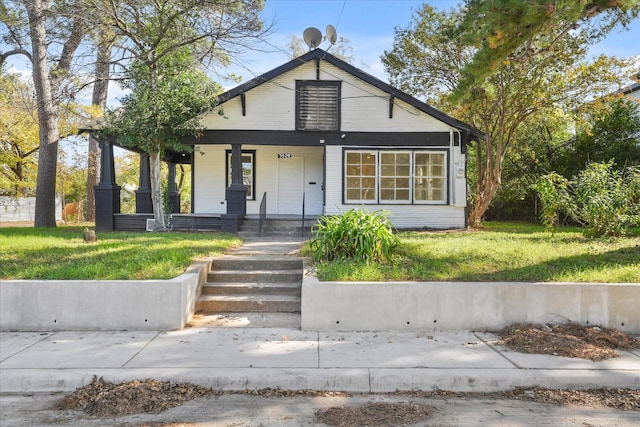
pixel 568 340
pixel 374 414
pixel 102 398
pixel 617 398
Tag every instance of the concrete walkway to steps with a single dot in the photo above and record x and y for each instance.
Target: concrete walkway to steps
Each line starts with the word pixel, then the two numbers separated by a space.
pixel 275 245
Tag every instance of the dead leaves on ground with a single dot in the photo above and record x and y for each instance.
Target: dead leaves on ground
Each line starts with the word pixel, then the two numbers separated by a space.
pixel 568 340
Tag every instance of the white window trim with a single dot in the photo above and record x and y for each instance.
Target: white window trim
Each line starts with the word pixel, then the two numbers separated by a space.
pixel 407 201
pixel 376 177
pixel 412 200
pixel 445 187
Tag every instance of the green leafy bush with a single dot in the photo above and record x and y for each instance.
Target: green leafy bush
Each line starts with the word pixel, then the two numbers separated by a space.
pixel 357 235
pixel 604 200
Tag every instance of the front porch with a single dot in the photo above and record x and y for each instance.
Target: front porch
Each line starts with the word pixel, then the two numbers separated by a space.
pixel 225 197
pixel 273 225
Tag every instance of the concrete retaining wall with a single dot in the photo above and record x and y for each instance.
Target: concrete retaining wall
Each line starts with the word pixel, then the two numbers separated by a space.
pixel 448 306
pixel 51 305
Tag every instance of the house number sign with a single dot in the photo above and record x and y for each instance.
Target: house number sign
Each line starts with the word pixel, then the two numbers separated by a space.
pixel 284 155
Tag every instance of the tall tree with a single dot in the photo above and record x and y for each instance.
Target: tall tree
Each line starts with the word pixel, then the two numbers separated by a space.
pixel 104 50
pixel 31 25
pixel 164 105
pixel 155 37
pixel 426 60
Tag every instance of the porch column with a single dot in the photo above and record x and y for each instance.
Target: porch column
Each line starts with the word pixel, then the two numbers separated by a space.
pixel 107 191
pixel 236 193
pixel 143 193
pixel 174 195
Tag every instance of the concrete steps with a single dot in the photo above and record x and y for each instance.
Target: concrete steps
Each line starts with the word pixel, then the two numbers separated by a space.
pixel 249 285
pixel 249 303
pixel 277 227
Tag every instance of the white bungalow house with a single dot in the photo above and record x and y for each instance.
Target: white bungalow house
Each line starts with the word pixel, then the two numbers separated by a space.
pixel 320 136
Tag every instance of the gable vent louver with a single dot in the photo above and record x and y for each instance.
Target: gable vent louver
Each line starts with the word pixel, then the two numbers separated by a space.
pixel 318 107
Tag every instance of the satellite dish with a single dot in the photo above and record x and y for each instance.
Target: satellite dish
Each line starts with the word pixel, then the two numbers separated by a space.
pixel 312 37
pixel 332 36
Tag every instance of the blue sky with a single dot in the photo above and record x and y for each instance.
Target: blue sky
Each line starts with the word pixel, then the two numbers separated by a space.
pixel 369 26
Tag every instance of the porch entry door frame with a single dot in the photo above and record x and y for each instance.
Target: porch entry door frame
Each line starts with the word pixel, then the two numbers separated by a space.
pixel 290 185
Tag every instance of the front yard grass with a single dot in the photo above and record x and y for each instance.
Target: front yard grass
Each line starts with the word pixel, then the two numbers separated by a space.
pixel 500 252
pixel 61 253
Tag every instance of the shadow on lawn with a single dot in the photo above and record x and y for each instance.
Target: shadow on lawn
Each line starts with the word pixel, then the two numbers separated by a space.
pixel 555 270
pixel 116 256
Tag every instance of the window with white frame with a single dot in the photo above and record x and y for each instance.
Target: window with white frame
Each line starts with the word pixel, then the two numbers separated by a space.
pixel 395 177
pixel 429 179
pixel 248 171
pixel 360 176
pixel 401 177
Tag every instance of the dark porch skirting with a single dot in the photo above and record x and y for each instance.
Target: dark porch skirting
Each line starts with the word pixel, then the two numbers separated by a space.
pixel 177 222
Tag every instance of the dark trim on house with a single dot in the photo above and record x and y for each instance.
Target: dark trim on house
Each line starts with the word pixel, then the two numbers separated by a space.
pixel 319 54
pixel 243 102
pixel 309 138
pixel 193 184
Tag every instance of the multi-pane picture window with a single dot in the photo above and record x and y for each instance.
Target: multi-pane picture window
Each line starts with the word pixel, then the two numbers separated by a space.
pixel 318 105
pixel 395 177
pixel 360 176
pixel 429 177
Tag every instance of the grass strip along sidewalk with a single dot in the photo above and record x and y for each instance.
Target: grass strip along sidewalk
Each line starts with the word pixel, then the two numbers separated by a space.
pixel 61 253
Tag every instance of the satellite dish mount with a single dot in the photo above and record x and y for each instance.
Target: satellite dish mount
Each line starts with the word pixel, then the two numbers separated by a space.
pixel 313 37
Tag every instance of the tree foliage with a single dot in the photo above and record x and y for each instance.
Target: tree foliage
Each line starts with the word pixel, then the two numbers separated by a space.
pixel 515 30
pixel 18 137
pixel 164 105
pixel 427 62
pixel 611 134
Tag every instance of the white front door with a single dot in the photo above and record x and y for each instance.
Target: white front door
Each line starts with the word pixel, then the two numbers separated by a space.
pixel 290 185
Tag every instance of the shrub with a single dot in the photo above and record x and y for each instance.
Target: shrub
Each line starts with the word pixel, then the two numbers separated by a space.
pixel 356 235
pixel 604 200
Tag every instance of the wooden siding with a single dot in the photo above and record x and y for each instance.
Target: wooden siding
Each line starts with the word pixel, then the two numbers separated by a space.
pixel 365 108
pixel 403 216
pixel 209 180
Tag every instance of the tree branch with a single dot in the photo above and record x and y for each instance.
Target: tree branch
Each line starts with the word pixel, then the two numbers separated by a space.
pixel 5 55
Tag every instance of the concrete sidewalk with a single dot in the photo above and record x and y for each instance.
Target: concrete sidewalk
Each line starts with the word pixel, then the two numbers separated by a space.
pixel 250 358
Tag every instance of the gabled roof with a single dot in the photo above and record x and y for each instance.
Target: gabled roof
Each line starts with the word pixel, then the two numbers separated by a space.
pixel 319 54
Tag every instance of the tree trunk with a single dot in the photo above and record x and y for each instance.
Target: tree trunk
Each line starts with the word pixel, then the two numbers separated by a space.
pixel 45 215
pixel 99 98
pixel 482 201
pixel 156 192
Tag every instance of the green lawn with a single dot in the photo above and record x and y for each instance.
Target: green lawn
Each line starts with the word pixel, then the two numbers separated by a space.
pixel 61 253
pixel 501 252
